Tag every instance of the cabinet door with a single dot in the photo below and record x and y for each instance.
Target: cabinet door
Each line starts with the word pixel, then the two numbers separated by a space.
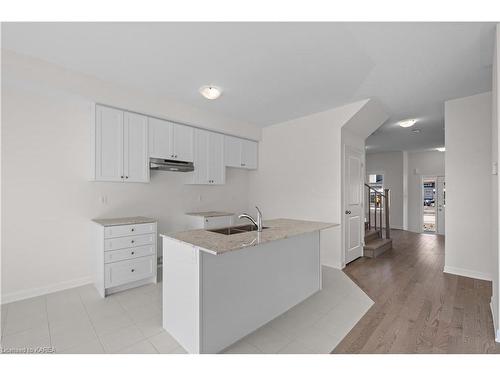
pixel 183 142
pixel 249 151
pixel 200 157
pixel 232 151
pixel 108 144
pixel 160 138
pixel 216 167
pixel 135 153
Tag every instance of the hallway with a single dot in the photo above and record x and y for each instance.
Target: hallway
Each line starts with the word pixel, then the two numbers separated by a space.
pixel 418 308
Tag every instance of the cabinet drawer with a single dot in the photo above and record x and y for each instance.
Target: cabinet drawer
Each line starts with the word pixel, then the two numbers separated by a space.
pixel 128 230
pixel 129 241
pixel 126 271
pixel 130 253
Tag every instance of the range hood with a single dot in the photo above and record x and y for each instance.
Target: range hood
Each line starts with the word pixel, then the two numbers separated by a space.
pixel 170 165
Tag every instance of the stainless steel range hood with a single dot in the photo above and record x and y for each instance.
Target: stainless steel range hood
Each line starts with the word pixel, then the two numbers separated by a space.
pixel 170 165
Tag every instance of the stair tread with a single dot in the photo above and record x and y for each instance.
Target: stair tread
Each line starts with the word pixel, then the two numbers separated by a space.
pixel 375 244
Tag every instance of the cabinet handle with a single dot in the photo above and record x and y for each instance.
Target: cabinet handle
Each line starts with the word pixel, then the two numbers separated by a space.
pixel 132 270
pixel 133 252
pixel 132 229
pixel 121 176
pixel 126 176
pixel 132 241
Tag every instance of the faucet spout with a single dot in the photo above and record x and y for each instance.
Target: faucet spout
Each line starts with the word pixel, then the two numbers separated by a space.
pixel 257 223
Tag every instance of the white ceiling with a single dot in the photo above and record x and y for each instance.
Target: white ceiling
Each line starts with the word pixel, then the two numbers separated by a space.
pixel 272 72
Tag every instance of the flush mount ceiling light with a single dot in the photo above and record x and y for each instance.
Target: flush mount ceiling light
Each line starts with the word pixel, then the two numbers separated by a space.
pixel 407 123
pixel 441 149
pixel 210 92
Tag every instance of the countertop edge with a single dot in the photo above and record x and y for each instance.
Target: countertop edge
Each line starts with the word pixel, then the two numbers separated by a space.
pixel 215 252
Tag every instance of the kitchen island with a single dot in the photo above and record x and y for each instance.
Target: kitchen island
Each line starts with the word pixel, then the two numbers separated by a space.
pixel 219 288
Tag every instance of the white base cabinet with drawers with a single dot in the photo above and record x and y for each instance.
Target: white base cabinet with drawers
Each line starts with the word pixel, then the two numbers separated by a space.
pixel 126 255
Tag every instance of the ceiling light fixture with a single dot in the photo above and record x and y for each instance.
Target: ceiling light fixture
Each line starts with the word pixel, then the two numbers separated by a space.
pixel 210 92
pixel 407 123
pixel 441 149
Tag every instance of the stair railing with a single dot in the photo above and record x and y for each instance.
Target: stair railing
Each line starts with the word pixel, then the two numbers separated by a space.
pixel 381 202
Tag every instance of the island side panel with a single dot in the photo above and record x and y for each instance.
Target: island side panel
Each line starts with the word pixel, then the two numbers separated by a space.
pixel 244 289
pixel 181 305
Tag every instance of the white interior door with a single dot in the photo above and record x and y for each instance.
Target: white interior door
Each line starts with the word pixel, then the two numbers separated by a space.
pixel 440 204
pixel 353 204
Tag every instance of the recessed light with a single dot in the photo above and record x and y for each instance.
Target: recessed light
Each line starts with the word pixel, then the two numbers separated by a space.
pixel 441 149
pixel 407 123
pixel 210 92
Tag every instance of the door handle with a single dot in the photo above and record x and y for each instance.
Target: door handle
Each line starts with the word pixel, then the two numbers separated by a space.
pixel 347 212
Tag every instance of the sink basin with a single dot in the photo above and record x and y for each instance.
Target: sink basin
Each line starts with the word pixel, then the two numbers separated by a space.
pixel 235 230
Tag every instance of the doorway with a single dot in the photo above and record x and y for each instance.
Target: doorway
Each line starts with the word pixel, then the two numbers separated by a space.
pixel 433 204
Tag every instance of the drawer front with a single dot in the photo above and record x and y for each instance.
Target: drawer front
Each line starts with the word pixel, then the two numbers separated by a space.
pixel 130 253
pixel 129 241
pixel 217 222
pixel 129 230
pixel 128 271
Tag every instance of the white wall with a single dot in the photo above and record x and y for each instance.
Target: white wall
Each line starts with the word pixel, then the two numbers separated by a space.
pixel 47 197
pixel 468 186
pixel 422 163
pixel 299 173
pixel 495 299
pixel 391 165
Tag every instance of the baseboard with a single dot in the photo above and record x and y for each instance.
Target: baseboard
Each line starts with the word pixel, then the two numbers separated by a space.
pixel 467 273
pixel 495 324
pixel 35 292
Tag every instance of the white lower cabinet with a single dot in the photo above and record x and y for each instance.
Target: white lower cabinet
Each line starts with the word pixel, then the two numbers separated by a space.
pixel 126 271
pixel 125 261
pixel 210 222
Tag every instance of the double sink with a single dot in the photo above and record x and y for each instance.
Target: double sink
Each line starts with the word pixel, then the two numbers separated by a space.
pixel 235 230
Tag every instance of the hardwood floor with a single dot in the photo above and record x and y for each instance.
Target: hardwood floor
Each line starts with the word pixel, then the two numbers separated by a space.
pixel 418 308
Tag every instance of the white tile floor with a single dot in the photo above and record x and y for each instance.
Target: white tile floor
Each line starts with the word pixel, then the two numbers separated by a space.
pixel 79 321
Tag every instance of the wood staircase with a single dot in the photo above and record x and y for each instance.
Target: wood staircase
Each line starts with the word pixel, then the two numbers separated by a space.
pixel 375 243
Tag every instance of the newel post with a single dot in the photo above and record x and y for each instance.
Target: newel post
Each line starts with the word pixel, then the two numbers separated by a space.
pixel 387 213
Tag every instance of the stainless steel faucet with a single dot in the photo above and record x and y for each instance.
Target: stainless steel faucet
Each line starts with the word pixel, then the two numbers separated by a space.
pixel 257 223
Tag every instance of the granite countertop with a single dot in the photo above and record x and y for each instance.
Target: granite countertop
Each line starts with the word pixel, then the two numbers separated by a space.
pixel 217 244
pixel 210 213
pixel 124 221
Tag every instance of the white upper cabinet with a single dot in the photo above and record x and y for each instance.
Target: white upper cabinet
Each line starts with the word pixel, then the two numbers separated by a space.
pixel 216 168
pixel 183 140
pixel 208 158
pixel 108 144
pixel 249 152
pixel 123 142
pixel 160 138
pixel 240 153
pixel 136 158
pixel 168 140
pixel 120 147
